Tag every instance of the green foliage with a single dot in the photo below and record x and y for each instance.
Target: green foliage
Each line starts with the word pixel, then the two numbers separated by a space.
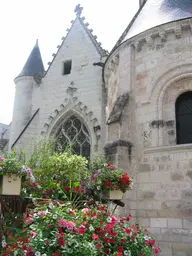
pixel 43 149
pixel 12 163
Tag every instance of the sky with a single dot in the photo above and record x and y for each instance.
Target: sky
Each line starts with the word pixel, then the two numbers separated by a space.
pixel 24 21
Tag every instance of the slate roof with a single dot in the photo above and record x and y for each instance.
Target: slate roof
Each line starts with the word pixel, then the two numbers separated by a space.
pixel 154 13
pixel 34 65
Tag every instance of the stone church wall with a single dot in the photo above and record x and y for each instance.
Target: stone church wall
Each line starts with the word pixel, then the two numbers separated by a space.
pixel 80 91
pixel 145 132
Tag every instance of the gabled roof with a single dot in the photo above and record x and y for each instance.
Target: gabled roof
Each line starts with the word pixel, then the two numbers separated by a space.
pixel 34 64
pixel 93 38
pixel 153 13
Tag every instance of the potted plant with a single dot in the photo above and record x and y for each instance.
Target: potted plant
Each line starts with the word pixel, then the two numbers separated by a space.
pixel 12 172
pixel 106 181
pixel 10 175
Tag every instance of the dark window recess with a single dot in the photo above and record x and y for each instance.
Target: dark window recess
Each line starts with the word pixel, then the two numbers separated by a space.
pixel 67 67
pixel 73 133
pixel 183 109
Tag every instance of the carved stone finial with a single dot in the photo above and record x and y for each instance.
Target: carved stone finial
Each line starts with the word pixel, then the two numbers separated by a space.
pixel 71 89
pixel 78 10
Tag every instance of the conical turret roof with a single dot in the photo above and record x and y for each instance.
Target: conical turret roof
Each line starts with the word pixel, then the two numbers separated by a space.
pixel 34 64
pixel 154 13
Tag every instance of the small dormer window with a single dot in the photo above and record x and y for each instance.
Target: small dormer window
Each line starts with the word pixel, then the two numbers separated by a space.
pixel 67 67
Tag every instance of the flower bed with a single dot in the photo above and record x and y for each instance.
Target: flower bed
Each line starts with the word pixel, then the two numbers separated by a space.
pixel 54 229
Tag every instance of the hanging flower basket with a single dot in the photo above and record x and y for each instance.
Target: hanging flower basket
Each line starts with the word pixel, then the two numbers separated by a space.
pixel 10 185
pixel 114 194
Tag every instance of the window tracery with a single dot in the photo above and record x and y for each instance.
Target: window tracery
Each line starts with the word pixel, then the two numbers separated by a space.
pixel 74 133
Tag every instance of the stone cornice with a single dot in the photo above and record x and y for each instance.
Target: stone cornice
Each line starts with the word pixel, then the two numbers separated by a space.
pixel 179 148
pixel 164 32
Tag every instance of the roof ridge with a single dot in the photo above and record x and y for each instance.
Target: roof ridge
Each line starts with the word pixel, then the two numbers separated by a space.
pixel 123 35
pixel 93 38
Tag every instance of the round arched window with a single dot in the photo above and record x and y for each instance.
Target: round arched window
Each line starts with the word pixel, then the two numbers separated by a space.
pixel 74 133
pixel 183 109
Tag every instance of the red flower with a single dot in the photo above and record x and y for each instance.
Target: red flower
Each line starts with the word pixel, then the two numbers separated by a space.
pixel 152 242
pixel 76 189
pixel 61 242
pixel 102 208
pixel 24 248
pixel 98 246
pixel 95 237
pixel 156 250
pixel 111 166
pixel 120 249
pixel 108 184
pixel 67 189
pixel 119 254
pixel 125 180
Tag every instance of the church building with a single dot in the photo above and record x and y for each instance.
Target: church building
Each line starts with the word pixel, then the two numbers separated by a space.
pixel 134 104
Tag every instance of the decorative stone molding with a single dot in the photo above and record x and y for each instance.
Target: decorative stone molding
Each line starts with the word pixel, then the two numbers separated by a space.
pixel 118 107
pixel 164 86
pixel 111 148
pixel 71 89
pixel 163 32
pixel 73 106
pixel 149 41
pixel 163 36
pixel 138 46
pixel 178 32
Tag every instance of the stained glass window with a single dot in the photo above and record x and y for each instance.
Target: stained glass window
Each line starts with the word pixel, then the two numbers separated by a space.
pixel 74 133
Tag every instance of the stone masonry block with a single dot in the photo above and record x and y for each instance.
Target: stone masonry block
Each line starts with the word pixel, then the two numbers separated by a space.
pixel 160 177
pixel 143 177
pixel 144 168
pixel 165 249
pixel 144 222
pixel 187 223
pixel 158 222
pixel 174 223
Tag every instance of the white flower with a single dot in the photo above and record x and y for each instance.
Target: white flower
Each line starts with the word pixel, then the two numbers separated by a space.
pixel 91 228
pixel 4 244
pixel 91 245
pixel 24 190
pixel 51 205
pixel 98 187
pixel 44 254
pixel 127 253
pixel 109 219
pixel 37 254
pixel 54 216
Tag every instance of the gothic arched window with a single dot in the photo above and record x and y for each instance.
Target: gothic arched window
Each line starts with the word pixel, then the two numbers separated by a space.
pixel 183 109
pixel 74 133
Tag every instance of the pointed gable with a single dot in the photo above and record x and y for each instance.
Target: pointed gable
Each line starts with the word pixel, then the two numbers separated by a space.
pixel 79 34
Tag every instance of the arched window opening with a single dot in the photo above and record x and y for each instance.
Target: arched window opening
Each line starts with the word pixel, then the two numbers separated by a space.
pixel 183 109
pixel 74 133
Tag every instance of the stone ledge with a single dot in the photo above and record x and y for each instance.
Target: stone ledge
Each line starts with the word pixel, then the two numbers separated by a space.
pixel 181 147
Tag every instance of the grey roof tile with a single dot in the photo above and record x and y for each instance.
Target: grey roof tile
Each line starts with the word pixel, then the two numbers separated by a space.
pixel 34 64
pixel 154 13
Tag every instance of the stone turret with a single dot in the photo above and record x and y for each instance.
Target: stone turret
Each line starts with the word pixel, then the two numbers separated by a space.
pixel 30 75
